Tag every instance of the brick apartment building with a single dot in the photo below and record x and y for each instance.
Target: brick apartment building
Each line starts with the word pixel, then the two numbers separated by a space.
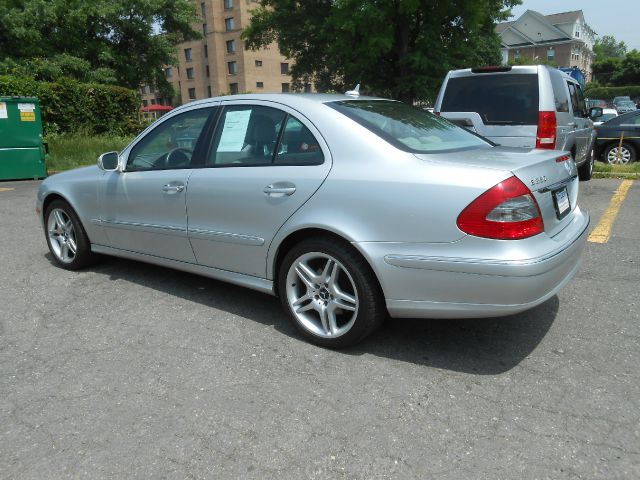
pixel 218 63
pixel 563 39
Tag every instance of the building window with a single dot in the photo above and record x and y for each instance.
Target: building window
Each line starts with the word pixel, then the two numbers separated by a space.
pixel 206 51
pixel 209 91
pixel 258 63
pixel 207 70
pixel 228 4
pixel 229 24
pixel 284 68
pixel 231 46
pixel 192 94
pixel 577 33
pixel 145 103
pixel 232 67
pixel 551 54
pixel 233 88
pixel 188 55
pixel 204 29
pixel 190 74
pixel 153 101
pixel 168 72
pixel 259 84
pixel 285 88
pixel 203 10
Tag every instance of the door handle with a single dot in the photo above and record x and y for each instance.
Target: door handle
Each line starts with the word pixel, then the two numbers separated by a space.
pixel 279 189
pixel 173 187
pixel 574 125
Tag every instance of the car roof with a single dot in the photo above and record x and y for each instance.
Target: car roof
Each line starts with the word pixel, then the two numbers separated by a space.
pixel 291 99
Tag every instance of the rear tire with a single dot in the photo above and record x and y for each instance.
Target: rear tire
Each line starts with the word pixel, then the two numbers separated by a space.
pixel 585 171
pixel 330 293
pixel 66 238
pixel 627 154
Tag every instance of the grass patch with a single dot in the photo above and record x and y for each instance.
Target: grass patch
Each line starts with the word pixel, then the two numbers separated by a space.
pixel 633 167
pixel 73 151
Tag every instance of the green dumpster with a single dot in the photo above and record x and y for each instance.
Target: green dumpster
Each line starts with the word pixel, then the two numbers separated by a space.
pixel 22 151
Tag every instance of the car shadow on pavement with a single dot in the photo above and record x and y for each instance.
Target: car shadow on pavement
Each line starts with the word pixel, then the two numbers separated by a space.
pixel 486 346
pixel 481 346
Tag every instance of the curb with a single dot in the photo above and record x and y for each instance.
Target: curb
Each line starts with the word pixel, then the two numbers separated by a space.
pixel 626 175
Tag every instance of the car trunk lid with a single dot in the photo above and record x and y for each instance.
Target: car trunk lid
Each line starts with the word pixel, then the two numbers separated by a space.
pixel 551 175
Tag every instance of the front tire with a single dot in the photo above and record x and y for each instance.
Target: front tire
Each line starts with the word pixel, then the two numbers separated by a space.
pixel 330 293
pixel 614 154
pixel 66 238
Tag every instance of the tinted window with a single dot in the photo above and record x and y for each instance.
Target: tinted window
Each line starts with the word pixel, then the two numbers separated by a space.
pixel 559 91
pixel 499 99
pixel 408 128
pixel 171 144
pixel 246 135
pixel 298 145
pixel 575 102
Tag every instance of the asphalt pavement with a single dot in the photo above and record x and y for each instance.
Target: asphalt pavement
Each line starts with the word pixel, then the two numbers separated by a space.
pixel 127 370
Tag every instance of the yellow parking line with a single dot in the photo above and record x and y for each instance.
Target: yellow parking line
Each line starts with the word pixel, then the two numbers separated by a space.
pixel 4 189
pixel 602 232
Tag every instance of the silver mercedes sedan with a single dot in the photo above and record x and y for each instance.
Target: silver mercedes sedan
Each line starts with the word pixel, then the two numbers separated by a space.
pixel 348 208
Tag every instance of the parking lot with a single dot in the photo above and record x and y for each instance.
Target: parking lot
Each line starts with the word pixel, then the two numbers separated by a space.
pixel 127 370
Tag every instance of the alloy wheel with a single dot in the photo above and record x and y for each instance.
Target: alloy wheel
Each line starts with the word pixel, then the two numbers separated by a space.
pixel 619 155
pixel 62 235
pixel 322 295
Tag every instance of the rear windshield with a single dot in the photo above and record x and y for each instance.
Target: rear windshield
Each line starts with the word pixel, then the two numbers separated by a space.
pixel 408 128
pixel 499 99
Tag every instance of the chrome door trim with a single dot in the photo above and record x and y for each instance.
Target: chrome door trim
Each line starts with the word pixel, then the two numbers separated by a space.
pixel 226 237
pixel 255 283
pixel 140 226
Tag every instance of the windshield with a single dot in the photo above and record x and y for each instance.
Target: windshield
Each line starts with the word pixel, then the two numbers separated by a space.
pixel 408 128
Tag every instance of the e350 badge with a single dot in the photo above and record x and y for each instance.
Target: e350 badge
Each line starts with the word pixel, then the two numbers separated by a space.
pixel 538 180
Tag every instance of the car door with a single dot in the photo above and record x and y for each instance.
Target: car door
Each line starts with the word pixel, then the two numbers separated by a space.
pixel 264 163
pixel 143 208
pixel 581 127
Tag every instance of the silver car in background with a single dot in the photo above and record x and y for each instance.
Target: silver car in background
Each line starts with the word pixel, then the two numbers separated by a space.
pixel 531 106
pixel 348 208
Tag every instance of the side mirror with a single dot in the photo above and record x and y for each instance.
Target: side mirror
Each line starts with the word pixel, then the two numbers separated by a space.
pixel 595 112
pixel 108 161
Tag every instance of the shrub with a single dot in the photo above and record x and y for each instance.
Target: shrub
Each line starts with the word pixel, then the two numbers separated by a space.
pixel 607 93
pixel 70 106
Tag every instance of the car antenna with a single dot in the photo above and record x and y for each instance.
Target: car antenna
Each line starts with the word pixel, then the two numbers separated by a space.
pixel 355 92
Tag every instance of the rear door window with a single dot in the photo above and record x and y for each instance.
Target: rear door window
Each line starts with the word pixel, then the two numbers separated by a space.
pixel 499 99
pixel 575 101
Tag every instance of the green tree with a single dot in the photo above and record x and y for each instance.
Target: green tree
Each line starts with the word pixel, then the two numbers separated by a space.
pixel 628 72
pixel 119 39
pixel 608 47
pixel 399 48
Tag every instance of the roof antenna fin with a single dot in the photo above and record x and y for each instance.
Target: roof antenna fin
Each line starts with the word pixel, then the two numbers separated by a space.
pixel 355 92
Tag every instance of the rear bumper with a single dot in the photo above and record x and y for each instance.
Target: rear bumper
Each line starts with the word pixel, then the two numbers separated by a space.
pixel 476 277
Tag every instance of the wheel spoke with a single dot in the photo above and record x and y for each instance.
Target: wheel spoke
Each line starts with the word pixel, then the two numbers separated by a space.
pixel 307 275
pixel 345 305
pixel 324 319
pixel 64 252
pixel 333 322
pixel 57 214
pixel 328 270
pixel 73 248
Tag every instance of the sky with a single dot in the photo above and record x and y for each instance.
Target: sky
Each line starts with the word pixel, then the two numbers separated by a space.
pixel 620 18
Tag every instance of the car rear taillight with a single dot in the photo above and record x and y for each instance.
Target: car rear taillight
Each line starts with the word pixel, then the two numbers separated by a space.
pixel 507 211
pixel 546 137
pixel 563 158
